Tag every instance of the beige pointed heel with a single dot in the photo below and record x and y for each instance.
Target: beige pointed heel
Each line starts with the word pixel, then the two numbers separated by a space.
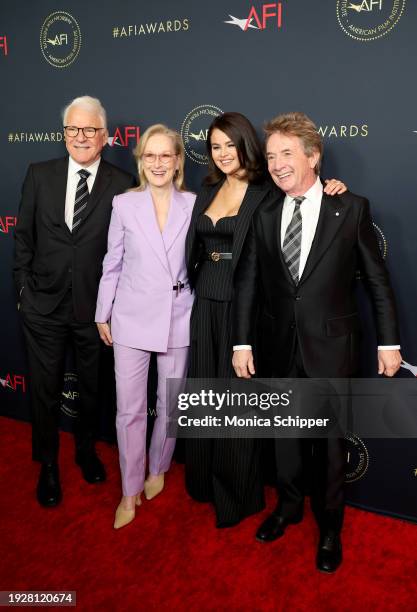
pixel 153 487
pixel 123 517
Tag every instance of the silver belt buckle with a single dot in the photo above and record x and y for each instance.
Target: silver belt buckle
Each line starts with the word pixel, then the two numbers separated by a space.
pixel 178 289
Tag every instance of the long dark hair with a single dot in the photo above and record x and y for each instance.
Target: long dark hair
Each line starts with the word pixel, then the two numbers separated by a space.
pixel 249 149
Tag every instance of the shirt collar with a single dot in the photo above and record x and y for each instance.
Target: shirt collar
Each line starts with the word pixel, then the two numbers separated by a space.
pixel 314 194
pixel 74 167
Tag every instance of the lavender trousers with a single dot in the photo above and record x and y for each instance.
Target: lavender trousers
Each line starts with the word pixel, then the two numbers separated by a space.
pixel 131 367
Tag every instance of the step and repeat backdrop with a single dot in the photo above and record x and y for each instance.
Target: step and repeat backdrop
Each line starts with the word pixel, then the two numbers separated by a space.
pixel 348 65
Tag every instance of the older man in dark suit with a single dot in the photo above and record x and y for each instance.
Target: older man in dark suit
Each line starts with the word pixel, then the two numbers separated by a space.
pixel 301 255
pixel 61 239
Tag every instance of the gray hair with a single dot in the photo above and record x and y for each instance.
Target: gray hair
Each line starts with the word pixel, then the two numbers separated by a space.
pixel 87 103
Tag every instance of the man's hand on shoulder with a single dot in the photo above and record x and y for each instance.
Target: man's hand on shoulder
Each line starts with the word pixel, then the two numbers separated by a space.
pixel 389 361
pixel 243 363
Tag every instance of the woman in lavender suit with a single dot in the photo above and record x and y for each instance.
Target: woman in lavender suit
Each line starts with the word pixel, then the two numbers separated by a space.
pixel 144 305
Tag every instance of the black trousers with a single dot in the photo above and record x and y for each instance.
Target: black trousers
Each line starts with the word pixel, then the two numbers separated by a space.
pixel 47 338
pixel 225 472
pixel 316 464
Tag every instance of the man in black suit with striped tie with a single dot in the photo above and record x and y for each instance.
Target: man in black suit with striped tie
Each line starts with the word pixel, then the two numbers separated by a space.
pixel 61 239
pixel 301 255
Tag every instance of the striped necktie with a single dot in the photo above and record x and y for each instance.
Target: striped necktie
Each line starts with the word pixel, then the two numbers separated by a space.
pixel 291 247
pixel 81 198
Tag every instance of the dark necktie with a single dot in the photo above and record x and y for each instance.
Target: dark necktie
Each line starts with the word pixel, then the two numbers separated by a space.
pixel 81 198
pixel 291 247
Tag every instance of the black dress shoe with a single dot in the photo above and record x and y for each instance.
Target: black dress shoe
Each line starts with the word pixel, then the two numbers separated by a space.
pixel 226 524
pixel 48 491
pixel 274 527
pixel 91 467
pixel 329 553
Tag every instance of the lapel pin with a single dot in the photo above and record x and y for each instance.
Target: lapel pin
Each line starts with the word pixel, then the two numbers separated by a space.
pixel 337 214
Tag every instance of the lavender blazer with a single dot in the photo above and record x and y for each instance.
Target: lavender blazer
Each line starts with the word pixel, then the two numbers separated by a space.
pixel 139 271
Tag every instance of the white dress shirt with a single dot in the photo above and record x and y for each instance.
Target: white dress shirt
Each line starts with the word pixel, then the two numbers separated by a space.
pixel 72 182
pixel 310 211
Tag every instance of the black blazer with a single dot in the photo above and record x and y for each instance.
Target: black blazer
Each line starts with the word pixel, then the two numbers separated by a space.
pixel 48 257
pixel 255 194
pixel 321 311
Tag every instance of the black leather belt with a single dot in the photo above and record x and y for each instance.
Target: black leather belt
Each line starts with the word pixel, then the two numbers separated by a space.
pixel 215 256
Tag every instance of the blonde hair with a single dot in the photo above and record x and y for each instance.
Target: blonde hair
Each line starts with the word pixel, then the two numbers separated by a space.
pixel 153 130
pixel 298 124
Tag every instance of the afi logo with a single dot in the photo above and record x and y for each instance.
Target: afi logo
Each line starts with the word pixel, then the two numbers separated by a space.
pixel 122 136
pixel 201 135
pixel 6 223
pixel 409 367
pixel 59 40
pixel 260 17
pixel 13 381
pixel 3 44
pixel 71 395
pixel 366 5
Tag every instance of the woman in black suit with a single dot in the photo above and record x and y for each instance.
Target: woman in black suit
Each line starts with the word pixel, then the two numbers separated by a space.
pixel 224 471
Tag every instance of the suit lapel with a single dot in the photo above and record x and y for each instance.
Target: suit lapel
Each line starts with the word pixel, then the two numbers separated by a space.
pixel 332 215
pixel 102 181
pixel 271 227
pixel 59 189
pixel 277 236
pixel 202 202
pixel 253 197
pixel 146 217
pixel 177 217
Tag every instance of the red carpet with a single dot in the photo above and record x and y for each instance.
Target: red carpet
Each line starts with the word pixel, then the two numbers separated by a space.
pixel 173 558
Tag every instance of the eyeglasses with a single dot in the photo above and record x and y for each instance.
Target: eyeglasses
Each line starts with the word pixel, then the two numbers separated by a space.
pixel 89 132
pixel 164 158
